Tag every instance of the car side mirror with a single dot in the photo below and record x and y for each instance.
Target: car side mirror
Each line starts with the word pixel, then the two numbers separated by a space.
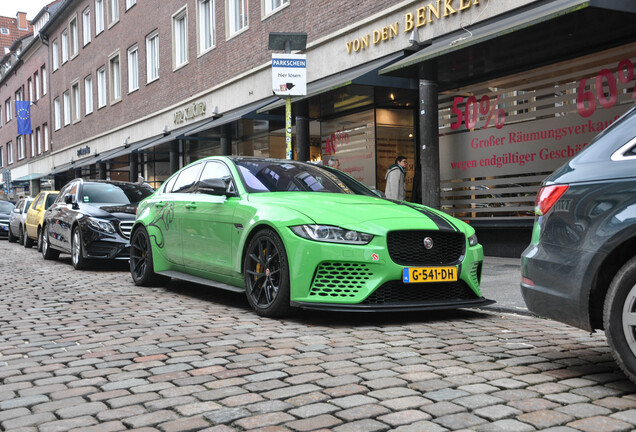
pixel 214 186
pixel 16 210
pixel 68 199
pixel 378 193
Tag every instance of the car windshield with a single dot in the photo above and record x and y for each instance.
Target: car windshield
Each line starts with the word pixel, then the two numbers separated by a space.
pixel 6 206
pixel 292 176
pixel 106 193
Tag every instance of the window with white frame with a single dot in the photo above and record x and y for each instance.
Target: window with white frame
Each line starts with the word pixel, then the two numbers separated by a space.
pixel 115 78
pixel 31 139
pixel 44 80
pixel 21 147
pixel 1 157
pixel 45 136
pixel 38 139
pixel 74 30
pixel 30 87
pixel 205 23
pixel 57 114
pixel 67 108
pixel 273 5
pixel 7 111
pixel 19 95
pixel 101 87
pixel 86 26
pixel 64 46
pixel 130 3
pixel 99 16
pixel 237 15
pixel 55 54
pixel 77 104
pixel 180 37
pixel 37 86
pixel 113 11
pixel 9 153
pixel 1 121
pixel 133 68
pixel 152 57
pixel 88 94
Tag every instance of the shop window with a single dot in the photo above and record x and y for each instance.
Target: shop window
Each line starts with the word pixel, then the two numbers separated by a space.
pixel 205 25
pixel 180 38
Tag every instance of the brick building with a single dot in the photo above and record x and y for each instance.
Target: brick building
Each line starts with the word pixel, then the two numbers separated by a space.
pixel 480 94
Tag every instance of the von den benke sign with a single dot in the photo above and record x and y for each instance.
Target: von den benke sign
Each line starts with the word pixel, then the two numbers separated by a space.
pixel 194 110
pixel 427 14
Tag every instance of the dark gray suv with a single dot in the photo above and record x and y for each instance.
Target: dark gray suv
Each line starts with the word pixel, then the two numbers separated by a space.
pixel 580 267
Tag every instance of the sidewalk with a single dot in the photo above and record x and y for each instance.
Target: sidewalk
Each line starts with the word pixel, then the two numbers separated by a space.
pixel 500 282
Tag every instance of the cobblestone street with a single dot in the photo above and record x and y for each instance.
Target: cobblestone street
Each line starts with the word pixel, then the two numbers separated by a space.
pixel 90 351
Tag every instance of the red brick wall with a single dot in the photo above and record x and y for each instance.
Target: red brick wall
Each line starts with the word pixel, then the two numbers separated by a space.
pixel 243 52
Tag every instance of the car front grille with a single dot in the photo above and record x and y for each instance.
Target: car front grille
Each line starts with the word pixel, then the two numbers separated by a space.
pixel 125 227
pixel 407 247
pixel 338 279
pixel 396 292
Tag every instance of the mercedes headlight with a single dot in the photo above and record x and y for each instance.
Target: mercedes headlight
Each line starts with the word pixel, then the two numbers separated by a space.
pixel 472 240
pixel 101 225
pixel 331 234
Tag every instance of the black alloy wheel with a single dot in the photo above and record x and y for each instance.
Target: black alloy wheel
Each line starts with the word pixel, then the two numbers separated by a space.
pixel 47 252
pixel 266 273
pixel 141 266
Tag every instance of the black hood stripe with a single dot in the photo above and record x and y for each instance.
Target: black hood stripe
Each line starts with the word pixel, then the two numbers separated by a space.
pixel 442 223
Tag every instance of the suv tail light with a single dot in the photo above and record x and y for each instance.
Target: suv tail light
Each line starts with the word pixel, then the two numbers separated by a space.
pixel 546 198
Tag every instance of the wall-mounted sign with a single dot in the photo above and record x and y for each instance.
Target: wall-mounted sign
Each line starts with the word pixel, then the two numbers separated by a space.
pixel 289 74
pixel 192 111
pixel 83 151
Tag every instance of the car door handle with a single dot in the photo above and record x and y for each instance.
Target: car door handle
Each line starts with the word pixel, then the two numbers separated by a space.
pixel 191 206
pixel 160 204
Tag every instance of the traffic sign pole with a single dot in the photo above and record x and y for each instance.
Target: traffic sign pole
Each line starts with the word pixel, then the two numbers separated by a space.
pixel 288 129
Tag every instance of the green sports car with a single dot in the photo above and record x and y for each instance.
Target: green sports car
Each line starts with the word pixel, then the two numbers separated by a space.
pixel 294 234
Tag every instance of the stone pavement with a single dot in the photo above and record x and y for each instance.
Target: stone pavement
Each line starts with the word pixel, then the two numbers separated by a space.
pixel 89 351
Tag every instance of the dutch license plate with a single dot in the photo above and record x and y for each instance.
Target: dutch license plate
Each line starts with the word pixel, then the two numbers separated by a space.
pixel 429 274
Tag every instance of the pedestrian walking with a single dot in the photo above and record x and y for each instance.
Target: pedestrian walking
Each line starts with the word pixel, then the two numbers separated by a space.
pixel 334 163
pixel 395 185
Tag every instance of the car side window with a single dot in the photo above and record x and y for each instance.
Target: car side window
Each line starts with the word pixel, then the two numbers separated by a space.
pixel 217 170
pixel 186 180
pixel 38 202
pixel 167 188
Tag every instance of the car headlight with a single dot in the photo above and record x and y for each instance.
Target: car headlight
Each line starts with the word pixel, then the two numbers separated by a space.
pixel 101 225
pixel 331 234
pixel 472 240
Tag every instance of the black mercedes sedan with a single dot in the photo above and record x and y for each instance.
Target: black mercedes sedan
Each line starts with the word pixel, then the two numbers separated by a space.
pixel 580 267
pixel 91 219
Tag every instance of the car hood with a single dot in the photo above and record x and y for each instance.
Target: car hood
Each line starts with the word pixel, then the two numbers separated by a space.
pixel 122 212
pixel 357 211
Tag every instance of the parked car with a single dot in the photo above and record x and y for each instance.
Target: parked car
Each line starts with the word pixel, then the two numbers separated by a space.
pixel 17 218
pixel 6 207
pixel 294 234
pixel 91 219
pixel 35 216
pixel 580 267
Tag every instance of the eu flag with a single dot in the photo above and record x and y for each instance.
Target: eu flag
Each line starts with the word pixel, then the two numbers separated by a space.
pixel 23 112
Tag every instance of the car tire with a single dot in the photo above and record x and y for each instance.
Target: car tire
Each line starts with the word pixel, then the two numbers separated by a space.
pixel 11 238
pixel 39 244
pixel 21 235
pixel 48 253
pixel 27 241
pixel 141 264
pixel 619 318
pixel 77 250
pixel 266 274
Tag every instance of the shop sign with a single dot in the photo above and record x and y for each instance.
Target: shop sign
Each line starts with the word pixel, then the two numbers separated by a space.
pixel 192 111
pixel 425 15
pixel 289 74
pixel 83 151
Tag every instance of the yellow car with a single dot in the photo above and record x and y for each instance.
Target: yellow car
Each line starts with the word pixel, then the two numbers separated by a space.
pixel 35 216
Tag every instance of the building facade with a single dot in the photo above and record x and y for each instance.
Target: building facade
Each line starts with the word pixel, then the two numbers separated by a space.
pixel 483 97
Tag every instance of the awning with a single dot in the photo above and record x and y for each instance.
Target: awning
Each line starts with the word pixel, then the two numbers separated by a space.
pixel 61 168
pixel 122 151
pixel 366 74
pixel 230 116
pixel 29 177
pixel 524 37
